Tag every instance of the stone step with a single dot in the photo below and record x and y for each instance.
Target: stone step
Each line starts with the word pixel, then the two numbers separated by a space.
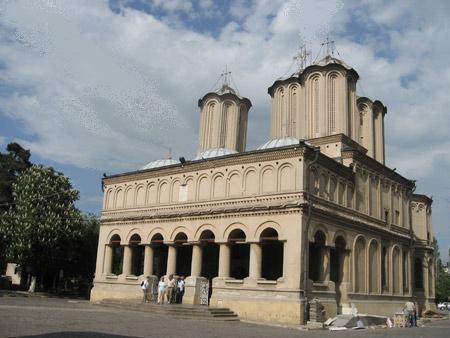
pixel 175 310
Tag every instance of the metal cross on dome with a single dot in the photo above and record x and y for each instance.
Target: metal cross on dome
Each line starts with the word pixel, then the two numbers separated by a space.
pixel 225 75
pixel 330 45
pixel 301 57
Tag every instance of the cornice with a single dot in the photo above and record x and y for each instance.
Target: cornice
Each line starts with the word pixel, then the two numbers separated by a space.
pixel 377 167
pixel 338 138
pixel 224 97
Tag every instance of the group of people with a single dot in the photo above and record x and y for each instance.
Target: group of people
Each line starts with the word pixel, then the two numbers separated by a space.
pixel 170 289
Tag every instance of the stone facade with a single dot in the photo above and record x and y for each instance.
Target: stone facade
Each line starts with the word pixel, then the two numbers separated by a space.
pixel 276 227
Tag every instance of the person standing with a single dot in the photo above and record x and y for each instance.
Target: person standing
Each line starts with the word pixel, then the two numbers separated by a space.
pixel 161 290
pixel 170 287
pixel 180 290
pixel 410 309
pixel 145 286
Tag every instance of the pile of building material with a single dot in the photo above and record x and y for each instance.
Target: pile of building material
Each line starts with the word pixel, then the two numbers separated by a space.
pixel 359 321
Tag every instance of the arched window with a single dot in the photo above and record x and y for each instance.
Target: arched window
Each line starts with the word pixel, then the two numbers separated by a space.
pixel 159 255
pixel 337 260
pixel 373 267
pixel 360 265
pixel 332 103
pixel 117 255
pixel 137 255
pixel 184 255
pixel 272 255
pixel 316 257
pixel 210 255
pixel 239 255
pixel 396 269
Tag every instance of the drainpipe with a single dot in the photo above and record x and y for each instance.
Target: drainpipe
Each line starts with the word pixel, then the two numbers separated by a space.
pixel 308 221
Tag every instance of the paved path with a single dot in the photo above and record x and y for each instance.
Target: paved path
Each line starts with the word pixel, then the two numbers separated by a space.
pixel 51 317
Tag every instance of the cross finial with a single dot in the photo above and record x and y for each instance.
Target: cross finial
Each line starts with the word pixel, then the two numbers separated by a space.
pixel 301 57
pixel 224 76
pixel 330 45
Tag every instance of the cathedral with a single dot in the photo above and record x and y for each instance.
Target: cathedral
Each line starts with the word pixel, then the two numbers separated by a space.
pixel 313 213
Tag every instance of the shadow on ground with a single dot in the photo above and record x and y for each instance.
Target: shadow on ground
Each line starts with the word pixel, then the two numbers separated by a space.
pixel 77 334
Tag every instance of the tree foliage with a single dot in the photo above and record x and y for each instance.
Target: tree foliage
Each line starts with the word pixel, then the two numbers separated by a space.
pixel 442 287
pixel 44 223
pixel 14 162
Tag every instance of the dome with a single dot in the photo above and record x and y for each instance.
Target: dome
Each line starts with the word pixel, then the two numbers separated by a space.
pixel 332 60
pixel 160 163
pixel 214 152
pixel 279 142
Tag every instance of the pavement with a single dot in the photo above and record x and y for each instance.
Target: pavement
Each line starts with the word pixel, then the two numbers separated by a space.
pixel 55 317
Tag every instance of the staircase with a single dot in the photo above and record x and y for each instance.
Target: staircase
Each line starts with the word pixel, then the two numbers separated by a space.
pixel 174 310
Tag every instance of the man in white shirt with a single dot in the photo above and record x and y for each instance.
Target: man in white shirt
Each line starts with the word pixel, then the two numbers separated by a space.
pixel 170 286
pixel 145 286
pixel 180 290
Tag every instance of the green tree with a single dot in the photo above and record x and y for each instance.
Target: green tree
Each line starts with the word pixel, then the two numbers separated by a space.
pixel 442 286
pixel 44 222
pixel 12 164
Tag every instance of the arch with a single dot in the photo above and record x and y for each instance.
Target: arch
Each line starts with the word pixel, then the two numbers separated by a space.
pixel 180 229
pixel 340 237
pixel 315 98
pixel 338 262
pixel 163 192
pixel 267 179
pixel 116 255
pixel 119 198
pixel 180 237
pixel 313 181
pixel 374 255
pixel 317 256
pixel 175 190
pixel 332 85
pixel 251 181
pixel 157 238
pixel 317 228
pixel 272 252
pixel 396 271
pixel 359 257
pixel 114 238
pixel 137 255
pixel 129 198
pixel 151 194
pixel 203 187
pixel 218 186
pixel 140 195
pixel 234 226
pixel 333 188
pixel 131 233
pixel 268 225
pixel 154 232
pixel 202 228
pixel 237 235
pixel 286 177
pixel 190 186
pixel 109 201
pixel 234 184
pixel 323 185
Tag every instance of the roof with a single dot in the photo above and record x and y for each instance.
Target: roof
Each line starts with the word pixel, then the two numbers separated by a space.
pixel 279 142
pixel 214 152
pixel 160 163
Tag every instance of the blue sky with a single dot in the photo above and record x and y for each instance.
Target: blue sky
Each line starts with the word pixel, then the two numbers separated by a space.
pixel 107 86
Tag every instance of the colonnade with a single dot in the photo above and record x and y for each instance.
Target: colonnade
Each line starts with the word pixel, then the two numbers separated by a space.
pixel 229 261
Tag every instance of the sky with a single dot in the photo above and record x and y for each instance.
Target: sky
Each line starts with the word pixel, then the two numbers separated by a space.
pixel 98 86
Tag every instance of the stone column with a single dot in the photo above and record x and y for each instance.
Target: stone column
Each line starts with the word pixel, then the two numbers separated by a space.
pixel 224 260
pixel 255 260
pixel 148 261
pixel 171 260
pixel 107 263
pixel 127 259
pixel 196 264
pixel 326 264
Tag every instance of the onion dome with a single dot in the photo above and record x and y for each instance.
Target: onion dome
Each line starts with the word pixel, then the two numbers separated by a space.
pixel 214 152
pixel 279 142
pixel 160 163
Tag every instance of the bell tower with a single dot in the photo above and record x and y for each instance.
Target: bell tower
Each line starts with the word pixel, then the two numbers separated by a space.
pixel 223 118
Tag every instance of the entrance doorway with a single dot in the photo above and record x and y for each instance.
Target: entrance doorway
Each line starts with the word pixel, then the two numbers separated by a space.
pixel 159 255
